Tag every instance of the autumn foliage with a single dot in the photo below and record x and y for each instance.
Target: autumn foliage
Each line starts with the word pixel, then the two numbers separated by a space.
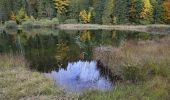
pixel 61 5
pixel 166 11
pixel 85 16
pixel 13 16
pixel 147 9
pixel 88 11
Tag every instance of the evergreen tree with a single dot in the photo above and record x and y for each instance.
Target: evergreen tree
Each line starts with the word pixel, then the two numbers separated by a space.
pixel 121 11
pixel 134 10
pixel 73 10
pixel 98 8
pixel 157 11
pixel 6 7
pixel 105 11
pixel 46 9
pixel 34 5
pixel 76 6
pixel 108 11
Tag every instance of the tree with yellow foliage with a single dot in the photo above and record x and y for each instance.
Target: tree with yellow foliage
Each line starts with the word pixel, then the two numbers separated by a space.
pixel 166 11
pixel 20 16
pixel 147 11
pixel 85 16
pixel 13 16
pixel 61 5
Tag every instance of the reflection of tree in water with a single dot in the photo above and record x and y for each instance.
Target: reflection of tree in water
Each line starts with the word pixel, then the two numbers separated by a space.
pixel 86 41
pixel 112 38
pixel 5 42
pixel 119 37
pixel 85 36
pixel 61 52
pixel 40 51
pixel 144 36
pixel 49 52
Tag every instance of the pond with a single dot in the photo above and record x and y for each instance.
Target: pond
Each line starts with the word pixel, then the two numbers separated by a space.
pixel 67 56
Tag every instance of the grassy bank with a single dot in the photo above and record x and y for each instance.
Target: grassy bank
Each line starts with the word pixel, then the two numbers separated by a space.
pixel 18 82
pixel 143 67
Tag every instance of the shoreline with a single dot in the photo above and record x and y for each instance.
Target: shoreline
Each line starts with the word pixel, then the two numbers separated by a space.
pixel 153 28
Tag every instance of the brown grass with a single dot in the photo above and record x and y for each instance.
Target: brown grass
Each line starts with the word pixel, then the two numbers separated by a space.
pixel 143 53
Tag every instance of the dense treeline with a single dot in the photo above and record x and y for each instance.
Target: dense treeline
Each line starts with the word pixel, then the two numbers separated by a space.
pixel 88 11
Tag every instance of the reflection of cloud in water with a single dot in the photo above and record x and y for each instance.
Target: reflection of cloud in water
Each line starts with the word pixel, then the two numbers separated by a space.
pixel 80 76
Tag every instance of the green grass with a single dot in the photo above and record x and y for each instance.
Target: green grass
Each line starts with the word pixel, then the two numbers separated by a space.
pixel 155 89
pixel 18 82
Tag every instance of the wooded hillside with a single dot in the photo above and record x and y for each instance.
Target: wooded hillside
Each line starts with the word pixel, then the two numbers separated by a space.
pixel 88 11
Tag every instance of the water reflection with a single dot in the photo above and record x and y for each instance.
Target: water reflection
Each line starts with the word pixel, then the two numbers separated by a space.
pixel 80 76
pixel 47 50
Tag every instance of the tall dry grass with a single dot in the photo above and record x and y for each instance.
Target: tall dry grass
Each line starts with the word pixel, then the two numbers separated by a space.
pixel 151 56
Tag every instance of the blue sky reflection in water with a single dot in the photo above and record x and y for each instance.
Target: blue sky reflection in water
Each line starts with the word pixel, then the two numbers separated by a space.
pixel 80 76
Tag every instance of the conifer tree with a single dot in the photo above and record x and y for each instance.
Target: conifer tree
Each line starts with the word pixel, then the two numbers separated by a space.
pixel 157 11
pixel 99 8
pixel 46 9
pixel 108 11
pixel 121 11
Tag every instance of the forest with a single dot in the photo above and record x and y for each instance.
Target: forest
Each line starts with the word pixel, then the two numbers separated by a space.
pixel 88 11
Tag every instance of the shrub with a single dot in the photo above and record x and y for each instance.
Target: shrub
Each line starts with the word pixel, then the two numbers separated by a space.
pixel 27 24
pixel 42 23
pixel 55 21
pixel 46 22
pixel 10 24
pixel 71 21
pixel 21 16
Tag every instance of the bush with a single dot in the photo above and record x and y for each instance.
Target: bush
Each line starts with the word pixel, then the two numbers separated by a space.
pixel 27 24
pixel 10 24
pixel 55 21
pixel 42 23
pixel 71 21
pixel 46 22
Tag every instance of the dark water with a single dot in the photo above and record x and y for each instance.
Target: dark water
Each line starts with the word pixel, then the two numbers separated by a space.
pixel 50 51
pixel 47 50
